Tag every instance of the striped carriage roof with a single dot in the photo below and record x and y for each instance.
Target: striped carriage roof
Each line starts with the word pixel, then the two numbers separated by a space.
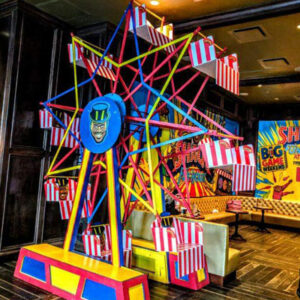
pixel 105 69
pixel 156 36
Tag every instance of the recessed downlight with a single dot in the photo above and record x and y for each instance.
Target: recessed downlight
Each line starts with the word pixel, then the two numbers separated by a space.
pixel 154 2
pixel 276 98
pixel 298 26
pixel 259 85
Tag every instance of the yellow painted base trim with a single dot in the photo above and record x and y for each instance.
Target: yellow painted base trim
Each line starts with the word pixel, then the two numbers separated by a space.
pixel 64 280
pixel 136 292
pixel 200 275
pixel 85 263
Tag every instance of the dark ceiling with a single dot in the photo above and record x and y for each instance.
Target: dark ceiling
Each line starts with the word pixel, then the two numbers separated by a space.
pixel 263 33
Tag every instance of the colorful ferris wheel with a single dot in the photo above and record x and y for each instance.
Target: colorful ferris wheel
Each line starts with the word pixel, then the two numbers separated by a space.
pixel 125 138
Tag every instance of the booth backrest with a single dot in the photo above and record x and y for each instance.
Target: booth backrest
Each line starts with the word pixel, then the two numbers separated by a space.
pixel 281 207
pixel 215 239
pixel 140 225
pixel 207 204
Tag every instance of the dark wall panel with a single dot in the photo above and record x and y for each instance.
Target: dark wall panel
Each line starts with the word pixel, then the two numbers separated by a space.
pixel 33 82
pixel 21 200
pixel 4 40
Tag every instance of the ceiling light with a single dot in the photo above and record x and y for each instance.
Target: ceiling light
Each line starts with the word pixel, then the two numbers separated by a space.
pixel 244 94
pixel 197 0
pixel 260 85
pixel 276 98
pixel 154 2
pixel 297 69
pixel 298 26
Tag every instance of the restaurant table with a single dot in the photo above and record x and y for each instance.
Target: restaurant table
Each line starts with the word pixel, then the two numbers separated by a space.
pixel 188 217
pixel 237 212
pixel 262 225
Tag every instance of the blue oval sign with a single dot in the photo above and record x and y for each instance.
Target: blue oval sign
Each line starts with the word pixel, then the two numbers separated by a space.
pixel 100 124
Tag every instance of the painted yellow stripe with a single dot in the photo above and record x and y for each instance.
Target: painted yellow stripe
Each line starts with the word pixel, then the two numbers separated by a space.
pixel 82 43
pixel 136 195
pixel 81 179
pixel 112 208
pixel 82 262
pixel 136 292
pixel 74 114
pixel 64 280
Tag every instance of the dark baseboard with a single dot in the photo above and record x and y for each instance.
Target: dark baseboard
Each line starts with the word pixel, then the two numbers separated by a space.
pixel 220 280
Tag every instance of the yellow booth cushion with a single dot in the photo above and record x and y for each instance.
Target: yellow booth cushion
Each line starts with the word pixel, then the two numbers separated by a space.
pixel 233 260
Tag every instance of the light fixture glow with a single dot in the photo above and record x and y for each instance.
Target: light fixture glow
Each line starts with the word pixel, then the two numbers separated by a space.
pixel 244 94
pixel 154 2
pixel 260 85
pixel 298 26
pixel 276 98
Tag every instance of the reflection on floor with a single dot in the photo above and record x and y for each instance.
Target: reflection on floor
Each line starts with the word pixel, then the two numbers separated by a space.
pixel 269 269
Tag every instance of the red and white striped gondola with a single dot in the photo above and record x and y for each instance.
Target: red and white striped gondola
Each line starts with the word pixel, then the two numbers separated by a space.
pixel 105 69
pixel 225 70
pixel 57 135
pixel 97 242
pixel 46 119
pixel 48 122
pixel 184 239
pixel 65 208
pixel 244 168
pixel 62 190
pixel 220 154
pixel 145 30
pixel 56 190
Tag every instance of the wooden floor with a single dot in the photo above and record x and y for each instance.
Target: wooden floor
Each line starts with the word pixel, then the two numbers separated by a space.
pixel 269 269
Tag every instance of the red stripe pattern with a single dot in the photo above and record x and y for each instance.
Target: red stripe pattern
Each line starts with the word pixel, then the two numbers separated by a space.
pixel 184 238
pixel 156 36
pixel 105 69
pixel 243 155
pixel 65 208
pixel 217 153
pixel 224 174
pixel 100 245
pixel 67 120
pixel 244 178
pixel 164 237
pixel 46 119
pixel 190 259
pixel 159 39
pixel 57 136
pixel 244 168
pixel 242 159
pixel 202 51
pixel 51 189
pixel 227 74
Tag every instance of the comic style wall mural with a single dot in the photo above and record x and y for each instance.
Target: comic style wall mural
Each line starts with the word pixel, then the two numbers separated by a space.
pixel 278 160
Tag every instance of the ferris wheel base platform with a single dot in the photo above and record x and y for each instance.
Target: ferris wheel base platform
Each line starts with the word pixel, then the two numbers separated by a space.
pixel 75 276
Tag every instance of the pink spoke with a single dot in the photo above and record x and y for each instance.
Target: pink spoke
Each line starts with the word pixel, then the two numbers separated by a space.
pixel 196 97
